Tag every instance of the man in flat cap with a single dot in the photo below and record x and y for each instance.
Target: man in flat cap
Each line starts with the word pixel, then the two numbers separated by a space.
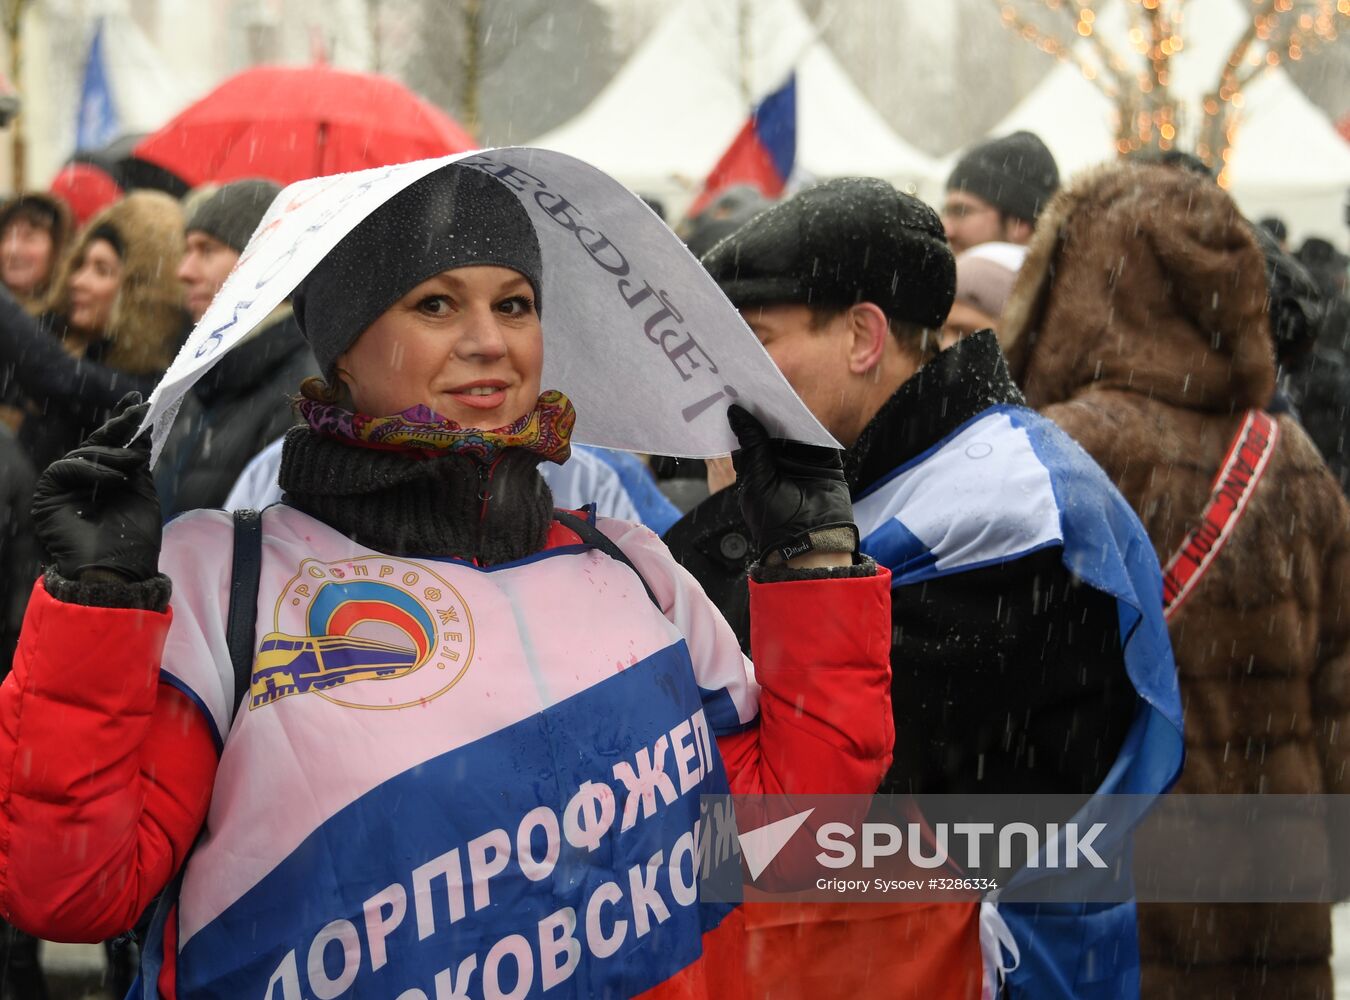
pixel 1029 653
pixel 996 191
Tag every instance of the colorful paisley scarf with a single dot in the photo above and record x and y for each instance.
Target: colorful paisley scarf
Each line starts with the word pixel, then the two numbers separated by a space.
pixel 546 430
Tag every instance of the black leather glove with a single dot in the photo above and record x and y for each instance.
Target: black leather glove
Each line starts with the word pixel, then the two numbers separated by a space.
pixel 793 496
pixel 96 508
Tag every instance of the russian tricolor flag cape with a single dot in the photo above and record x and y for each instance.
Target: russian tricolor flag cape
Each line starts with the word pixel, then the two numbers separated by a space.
pixel 763 152
pixel 1007 483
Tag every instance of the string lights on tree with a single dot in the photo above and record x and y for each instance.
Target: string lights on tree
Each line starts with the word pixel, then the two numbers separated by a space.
pixel 1134 66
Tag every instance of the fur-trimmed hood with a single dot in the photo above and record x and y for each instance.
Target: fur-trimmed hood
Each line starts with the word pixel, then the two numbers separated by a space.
pixel 1145 279
pixel 148 319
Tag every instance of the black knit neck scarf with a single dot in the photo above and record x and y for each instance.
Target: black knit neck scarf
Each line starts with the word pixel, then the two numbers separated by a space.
pixel 451 506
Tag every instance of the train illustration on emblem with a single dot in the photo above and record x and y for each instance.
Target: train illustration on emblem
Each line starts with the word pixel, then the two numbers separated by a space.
pixel 356 630
pixel 295 664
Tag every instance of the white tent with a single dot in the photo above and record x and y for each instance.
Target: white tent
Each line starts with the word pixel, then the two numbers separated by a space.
pixel 666 117
pixel 1290 161
pixel 1287 158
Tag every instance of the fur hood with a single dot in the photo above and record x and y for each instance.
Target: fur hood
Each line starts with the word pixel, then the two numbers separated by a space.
pixel 1138 324
pixel 1144 279
pixel 148 319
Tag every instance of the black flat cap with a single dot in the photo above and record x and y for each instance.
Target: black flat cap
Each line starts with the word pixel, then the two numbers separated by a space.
pixel 849 240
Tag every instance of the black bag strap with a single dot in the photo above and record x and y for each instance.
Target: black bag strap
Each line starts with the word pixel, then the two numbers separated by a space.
pixel 597 539
pixel 243 618
pixel 245 575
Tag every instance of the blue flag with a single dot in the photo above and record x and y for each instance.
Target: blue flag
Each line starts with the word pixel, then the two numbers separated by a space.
pixel 97 125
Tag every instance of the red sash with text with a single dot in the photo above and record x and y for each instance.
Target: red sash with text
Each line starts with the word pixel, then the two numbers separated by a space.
pixel 1241 470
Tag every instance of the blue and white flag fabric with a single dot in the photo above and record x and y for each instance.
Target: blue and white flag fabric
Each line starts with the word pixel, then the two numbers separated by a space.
pixel 1003 485
pixel 98 123
pixel 632 484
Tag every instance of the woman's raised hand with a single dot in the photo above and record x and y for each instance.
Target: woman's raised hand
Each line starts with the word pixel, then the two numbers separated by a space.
pixel 794 497
pixel 96 509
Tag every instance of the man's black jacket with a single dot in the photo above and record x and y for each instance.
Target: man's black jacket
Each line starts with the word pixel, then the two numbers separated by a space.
pixel 1006 679
pixel 236 410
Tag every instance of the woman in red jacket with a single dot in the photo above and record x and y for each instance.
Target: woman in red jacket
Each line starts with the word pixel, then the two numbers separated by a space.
pixel 468 755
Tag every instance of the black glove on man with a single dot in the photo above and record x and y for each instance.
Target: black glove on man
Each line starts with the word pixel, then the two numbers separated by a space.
pixel 794 497
pixel 96 508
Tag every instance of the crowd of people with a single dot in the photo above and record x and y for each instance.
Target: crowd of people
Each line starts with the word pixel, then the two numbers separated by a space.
pixel 1002 585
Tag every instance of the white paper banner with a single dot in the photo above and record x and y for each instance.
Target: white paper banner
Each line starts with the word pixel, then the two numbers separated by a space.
pixel 635 331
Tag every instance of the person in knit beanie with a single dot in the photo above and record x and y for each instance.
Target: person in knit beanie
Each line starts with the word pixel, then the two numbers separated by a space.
pixel 220 221
pixel 243 404
pixel 996 191
pixel 416 646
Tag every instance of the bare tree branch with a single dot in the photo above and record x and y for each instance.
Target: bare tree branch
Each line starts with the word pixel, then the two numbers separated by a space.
pixel 1149 112
pixel 1108 80
pixel 13 12
pixel 1228 72
pixel 1110 58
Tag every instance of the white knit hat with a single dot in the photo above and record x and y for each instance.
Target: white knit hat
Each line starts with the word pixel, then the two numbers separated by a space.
pixel 985 275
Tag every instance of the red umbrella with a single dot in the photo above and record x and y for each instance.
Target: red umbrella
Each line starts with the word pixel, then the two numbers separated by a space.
pixel 88 189
pixel 291 123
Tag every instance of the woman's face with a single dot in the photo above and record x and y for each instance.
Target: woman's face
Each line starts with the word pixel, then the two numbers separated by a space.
pixel 93 287
pixel 25 256
pixel 466 343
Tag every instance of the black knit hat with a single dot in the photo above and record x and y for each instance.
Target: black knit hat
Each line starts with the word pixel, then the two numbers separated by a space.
pixel 454 217
pixel 1016 174
pixel 231 212
pixel 850 240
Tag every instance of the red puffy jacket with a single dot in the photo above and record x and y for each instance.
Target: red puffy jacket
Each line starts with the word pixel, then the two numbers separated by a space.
pixel 106 773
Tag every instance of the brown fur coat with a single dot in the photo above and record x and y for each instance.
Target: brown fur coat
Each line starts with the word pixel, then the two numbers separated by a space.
pixel 148 320
pixel 1138 324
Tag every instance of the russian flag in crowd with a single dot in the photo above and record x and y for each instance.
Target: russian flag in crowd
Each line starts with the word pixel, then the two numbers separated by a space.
pixel 97 124
pixel 762 153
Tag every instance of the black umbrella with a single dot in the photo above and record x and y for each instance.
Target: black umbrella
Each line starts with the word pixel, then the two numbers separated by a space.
pixel 130 172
